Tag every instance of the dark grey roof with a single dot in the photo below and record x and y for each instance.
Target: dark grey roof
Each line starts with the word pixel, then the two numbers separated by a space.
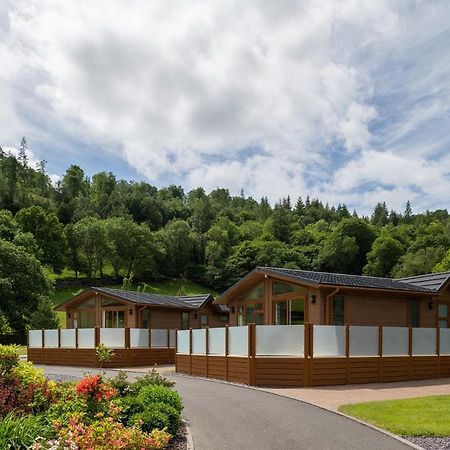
pixel 181 302
pixel 434 281
pixel 146 298
pixel 339 279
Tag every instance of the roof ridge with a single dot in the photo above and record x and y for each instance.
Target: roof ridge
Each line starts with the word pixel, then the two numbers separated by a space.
pixel 424 275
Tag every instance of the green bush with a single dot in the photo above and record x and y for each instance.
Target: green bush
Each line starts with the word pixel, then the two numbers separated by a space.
pixel 121 384
pixel 130 406
pixel 173 416
pixel 9 358
pixel 20 432
pixel 160 394
pixel 150 419
pixel 152 377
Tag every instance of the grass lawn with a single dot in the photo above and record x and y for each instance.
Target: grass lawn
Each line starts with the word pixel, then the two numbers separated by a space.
pixel 424 416
pixel 22 349
pixel 166 287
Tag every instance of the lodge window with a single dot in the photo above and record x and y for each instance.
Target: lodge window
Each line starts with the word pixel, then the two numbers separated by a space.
pixel 280 288
pixel 114 318
pixel 414 312
pixel 203 320
pixel 223 317
pixel 443 315
pixel 290 312
pixel 86 319
pixel 338 310
pixel 185 320
pixel 146 318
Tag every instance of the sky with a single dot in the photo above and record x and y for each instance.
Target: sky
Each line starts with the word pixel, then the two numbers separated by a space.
pixel 348 101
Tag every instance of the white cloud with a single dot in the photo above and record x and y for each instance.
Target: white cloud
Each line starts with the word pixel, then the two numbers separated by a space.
pixel 274 97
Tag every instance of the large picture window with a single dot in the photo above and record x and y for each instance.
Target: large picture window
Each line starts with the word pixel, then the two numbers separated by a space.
pixel 114 318
pixel 290 312
pixel 414 312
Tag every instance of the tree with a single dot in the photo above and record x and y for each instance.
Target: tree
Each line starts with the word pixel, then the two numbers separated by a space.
pixel 407 215
pixel 380 215
pixel 22 284
pixel 45 316
pixel 281 222
pixel 23 150
pixel 345 249
pixel 419 262
pixel 444 264
pixel 48 232
pixel 383 256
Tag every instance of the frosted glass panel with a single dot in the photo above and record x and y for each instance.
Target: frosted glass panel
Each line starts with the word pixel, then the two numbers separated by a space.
pixel 172 334
pixel 86 338
pixel 35 338
pixel 444 342
pixel 329 340
pixel 51 338
pixel 238 341
pixel 159 338
pixel 363 341
pixel 424 341
pixel 183 341
pixel 113 337
pixel 395 341
pixel 139 337
pixel 279 340
pixel 216 341
pixel 199 341
pixel 68 338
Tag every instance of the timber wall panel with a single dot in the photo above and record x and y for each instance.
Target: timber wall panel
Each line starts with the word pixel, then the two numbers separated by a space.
pixel 217 367
pixel 183 364
pixel 279 371
pixel 238 369
pixel 444 366
pixel 363 370
pixel 328 371
pixel 199 365
pixel 424 367
pixel 395 368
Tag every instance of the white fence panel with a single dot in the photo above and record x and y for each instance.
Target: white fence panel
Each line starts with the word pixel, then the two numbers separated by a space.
pixel 363 341
pixel 329 340
pixel 280 340
pixel 68 339
pixel 112 337
pixel 238 341
pixel 444 341
pixel 395 341
pixel 139 337
pixel 159 338
pixel 51 338
pixel 35 338
pixel 183 344
pixel 172 334
pixel 424 341
pixel 86 338
pixel 216 341
pixel 199 341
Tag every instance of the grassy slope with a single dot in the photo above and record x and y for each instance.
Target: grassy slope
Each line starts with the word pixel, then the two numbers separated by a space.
pixel 425 416
pixel 167 287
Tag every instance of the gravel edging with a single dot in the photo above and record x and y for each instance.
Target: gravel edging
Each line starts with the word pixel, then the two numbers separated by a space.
pixel 430 442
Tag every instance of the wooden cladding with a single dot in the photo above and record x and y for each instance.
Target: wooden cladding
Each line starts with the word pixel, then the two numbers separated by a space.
pixel 84 357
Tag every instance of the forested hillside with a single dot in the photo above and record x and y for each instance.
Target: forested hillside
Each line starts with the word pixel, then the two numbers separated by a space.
pixel 101 224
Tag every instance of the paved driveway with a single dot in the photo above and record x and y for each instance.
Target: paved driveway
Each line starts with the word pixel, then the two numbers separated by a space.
pixel 226 416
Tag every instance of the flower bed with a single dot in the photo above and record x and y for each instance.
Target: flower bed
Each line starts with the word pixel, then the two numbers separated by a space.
pixel 95 413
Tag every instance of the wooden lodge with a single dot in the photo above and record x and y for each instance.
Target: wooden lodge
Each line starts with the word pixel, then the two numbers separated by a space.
pixel 274 296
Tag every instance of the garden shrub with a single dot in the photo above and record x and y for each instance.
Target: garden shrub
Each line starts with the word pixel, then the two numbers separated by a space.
pixel 27 374
pixel 150 378
pixel 9 358
pixel 120 383
pixel 160 394
pixel 150 419
pixel 173 416
pixel 129 405
pixel 20 432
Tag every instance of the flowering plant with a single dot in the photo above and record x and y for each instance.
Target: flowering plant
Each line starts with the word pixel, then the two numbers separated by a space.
pixel 93 387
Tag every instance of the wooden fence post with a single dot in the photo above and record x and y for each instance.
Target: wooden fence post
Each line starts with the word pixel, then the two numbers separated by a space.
pixel 168 338
pixel 206 349
pixel 190 351
pixel 251 354
pixel 96 336
pixel 176 348
pixel 226 352
pixel 127 338
pixel 76 338
pixel 59 337
pixel 438 350
pixel 347 352
pixel 410 349
pixel 43 353
pixel 380 353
